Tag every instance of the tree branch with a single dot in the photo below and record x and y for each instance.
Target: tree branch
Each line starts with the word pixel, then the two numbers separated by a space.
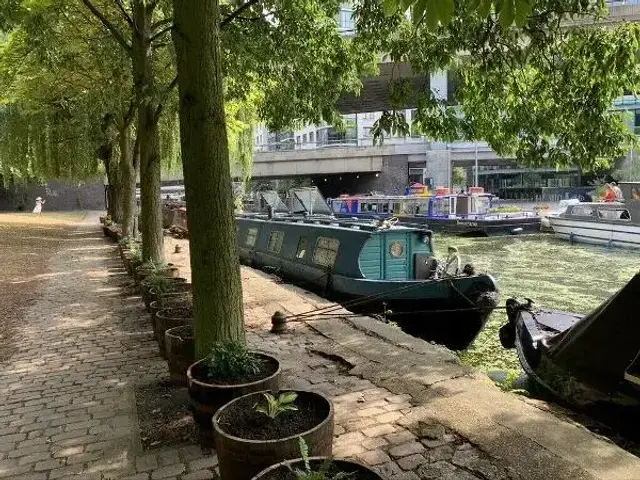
pixel 125 14
pixel 108 25
pixel 167 92
pixel 229 18
pixel 160 23
pixel 162 32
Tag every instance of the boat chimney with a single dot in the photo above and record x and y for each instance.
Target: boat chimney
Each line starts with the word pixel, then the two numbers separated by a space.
pixel 270 211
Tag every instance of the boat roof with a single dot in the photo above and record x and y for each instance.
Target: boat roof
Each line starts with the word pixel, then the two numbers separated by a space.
pixel 408 197
pixel 325 221
pixel 309 199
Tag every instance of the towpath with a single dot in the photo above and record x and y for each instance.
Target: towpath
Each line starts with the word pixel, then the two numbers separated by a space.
pixel 80 362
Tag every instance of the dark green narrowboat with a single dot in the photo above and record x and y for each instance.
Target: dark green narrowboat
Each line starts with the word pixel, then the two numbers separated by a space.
pixel 371 269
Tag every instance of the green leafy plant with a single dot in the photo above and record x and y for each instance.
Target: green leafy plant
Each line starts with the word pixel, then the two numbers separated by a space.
pixel 136 254
pixel 160 283
pixel 322 473
pixel 277 405
pixel 231 360
pixel 125 241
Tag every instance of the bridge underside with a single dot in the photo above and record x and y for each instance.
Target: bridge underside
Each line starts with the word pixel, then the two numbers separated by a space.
pixel 374 95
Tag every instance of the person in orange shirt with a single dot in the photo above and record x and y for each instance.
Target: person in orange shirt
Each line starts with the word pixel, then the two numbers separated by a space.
pixel 610 195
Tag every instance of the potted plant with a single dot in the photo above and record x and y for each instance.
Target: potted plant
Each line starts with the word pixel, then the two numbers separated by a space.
pixel 316 468
pixel 134 259
pixel 260 429
pixel 168 318
pixel 177 288
pixel 230 371
pixel 149 268
pixel 170 300
pixel 160 284
pixel 179 344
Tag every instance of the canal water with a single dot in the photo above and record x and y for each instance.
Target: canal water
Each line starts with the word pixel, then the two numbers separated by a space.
pixel 553 273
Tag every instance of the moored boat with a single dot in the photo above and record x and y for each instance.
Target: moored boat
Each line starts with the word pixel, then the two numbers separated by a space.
pixel 470 213
pixel 583 359
pixel 615 224
pixel 373 268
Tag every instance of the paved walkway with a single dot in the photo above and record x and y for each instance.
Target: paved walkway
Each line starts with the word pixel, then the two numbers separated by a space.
pixel 406 407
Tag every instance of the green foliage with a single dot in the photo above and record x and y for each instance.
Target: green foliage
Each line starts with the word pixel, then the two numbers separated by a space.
pixel 322 473
pixel 459 176
pixel 160 283
pixel 136 254
pixel 124 241
pixel 232 360
pixel 442 12
pixel 276 405
pixel 540 92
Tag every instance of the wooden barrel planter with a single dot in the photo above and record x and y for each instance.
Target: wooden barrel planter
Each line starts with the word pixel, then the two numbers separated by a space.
pixel 169 318
pixel 179 343
pixel 207 397
pixel 179 286
pixel 143 271
pixel 174 300
pixel 285 470
pixel 247 441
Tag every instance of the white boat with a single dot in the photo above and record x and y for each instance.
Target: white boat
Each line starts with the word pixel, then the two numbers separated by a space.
pixel 615 224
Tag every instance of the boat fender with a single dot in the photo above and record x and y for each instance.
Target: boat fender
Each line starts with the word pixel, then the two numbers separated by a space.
pixel 517 231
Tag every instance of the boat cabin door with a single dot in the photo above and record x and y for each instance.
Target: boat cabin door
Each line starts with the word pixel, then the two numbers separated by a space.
pixel 396 261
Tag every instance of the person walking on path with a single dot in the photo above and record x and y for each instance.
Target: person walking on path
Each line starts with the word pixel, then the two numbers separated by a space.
pixel 38 207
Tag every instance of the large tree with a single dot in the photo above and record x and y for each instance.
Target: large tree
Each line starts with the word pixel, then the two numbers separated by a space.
pixel 141 29
pixel 69 97
pixel 292 53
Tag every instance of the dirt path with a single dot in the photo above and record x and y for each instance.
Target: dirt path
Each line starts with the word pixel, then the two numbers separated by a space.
pixel 27 243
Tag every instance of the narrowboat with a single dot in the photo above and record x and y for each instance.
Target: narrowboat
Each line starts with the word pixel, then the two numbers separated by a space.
pixel 582 359
pixel 469 214
pixel 373 268
pixel 614 224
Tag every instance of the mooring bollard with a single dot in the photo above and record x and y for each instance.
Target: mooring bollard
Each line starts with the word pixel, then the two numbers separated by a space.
pixel 278 322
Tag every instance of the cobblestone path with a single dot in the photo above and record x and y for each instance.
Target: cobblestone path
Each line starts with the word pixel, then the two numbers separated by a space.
pixel 67 406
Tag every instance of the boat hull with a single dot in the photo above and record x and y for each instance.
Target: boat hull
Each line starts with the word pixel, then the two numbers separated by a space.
pixel 596 233
pixel 462 226
pixel 450 312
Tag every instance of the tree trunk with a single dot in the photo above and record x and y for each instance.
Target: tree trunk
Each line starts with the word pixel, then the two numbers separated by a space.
pixel 148 134
pixel 150 182
pixel 116 194
pixel 127 181
pixel 215 268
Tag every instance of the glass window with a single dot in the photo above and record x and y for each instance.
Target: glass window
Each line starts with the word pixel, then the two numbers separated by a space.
pixel 617 214
pixel 396 249
pixel 346 20
pixel 303 246
pixel 326 251
pixel 582 210
pixel 252 235
pixel 298 139
pixel 311 137
pixel 304 138
pixel 275 242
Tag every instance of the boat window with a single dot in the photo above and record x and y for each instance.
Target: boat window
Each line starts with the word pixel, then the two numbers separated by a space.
pixel 614 214
pixel 396 249
pixel 582 210
pixel 275 242
pixel 303 246
pixel 326 251
pixel 252 235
